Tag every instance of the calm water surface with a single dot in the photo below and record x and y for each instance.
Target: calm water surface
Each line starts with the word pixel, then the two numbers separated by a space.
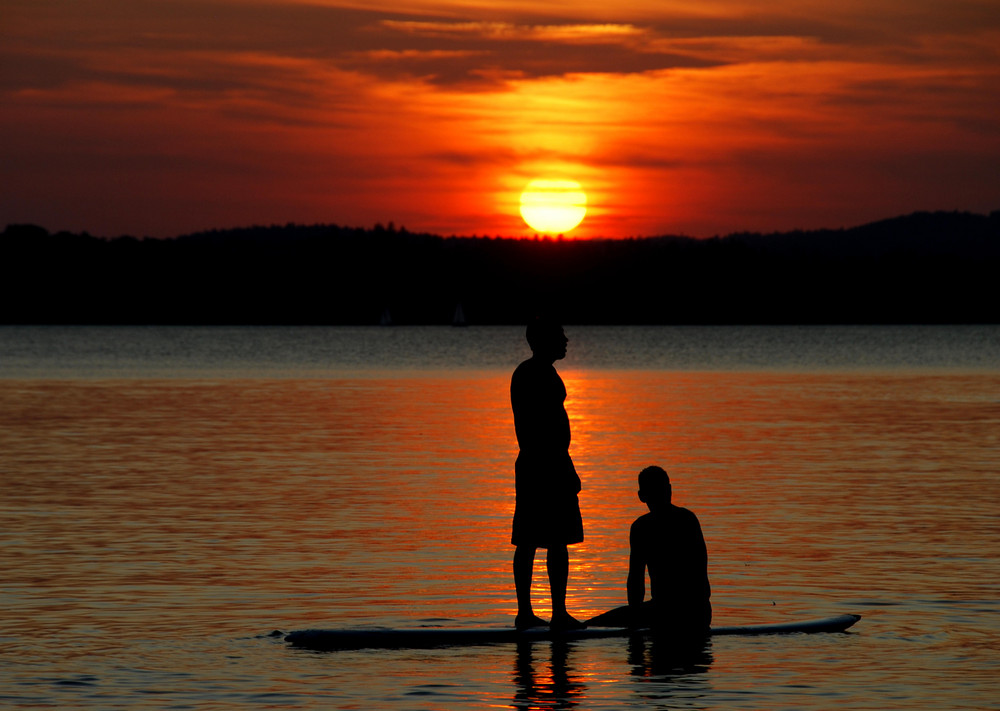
pixel 171 496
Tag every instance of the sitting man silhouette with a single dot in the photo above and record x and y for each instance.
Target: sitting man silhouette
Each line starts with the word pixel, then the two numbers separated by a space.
pixel 667 542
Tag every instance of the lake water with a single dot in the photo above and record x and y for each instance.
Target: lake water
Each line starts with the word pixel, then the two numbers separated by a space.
pixel 170 496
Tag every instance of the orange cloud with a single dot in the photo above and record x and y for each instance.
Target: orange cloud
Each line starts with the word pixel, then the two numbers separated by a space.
pixel 506 31
pixel 156 119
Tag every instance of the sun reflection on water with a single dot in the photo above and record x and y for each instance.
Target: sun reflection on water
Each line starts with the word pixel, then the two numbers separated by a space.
pixel 145 510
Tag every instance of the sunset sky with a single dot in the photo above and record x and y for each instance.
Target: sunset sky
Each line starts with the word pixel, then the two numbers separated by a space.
pixel 161 117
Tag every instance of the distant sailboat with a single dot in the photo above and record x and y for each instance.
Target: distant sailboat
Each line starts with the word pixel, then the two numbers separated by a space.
pixel 459 318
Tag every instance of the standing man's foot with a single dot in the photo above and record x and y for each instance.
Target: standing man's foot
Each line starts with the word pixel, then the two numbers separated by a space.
pixel 525 622
pixel 564 622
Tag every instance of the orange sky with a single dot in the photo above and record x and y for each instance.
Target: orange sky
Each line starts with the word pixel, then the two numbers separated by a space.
pixel 160 117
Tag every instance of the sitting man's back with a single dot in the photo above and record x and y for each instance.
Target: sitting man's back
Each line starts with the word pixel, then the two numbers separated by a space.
pixel 669 543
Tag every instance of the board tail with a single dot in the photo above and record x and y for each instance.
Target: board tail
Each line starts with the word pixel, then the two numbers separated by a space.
pixel 622 617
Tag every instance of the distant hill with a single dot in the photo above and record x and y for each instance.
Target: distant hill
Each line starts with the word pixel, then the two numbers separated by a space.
pixel 922 268
pixel 922 234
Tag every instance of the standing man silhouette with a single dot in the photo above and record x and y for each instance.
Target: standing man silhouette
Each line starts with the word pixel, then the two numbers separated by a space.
pixel 547 511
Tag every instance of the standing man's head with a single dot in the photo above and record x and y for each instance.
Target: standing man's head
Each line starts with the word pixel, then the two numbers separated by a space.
pixel 546 339
pixel 654 487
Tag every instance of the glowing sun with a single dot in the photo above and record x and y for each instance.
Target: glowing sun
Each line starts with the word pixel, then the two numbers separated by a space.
pixel 553 206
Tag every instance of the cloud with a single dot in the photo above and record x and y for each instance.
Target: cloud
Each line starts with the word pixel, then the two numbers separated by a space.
pixel 508 31
pixel 494 53
pixel 421 111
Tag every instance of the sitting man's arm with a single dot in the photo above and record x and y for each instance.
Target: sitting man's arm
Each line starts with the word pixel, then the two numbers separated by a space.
pixel 635 586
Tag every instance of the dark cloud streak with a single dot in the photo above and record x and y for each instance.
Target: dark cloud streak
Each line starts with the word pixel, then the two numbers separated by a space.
pixel 440 50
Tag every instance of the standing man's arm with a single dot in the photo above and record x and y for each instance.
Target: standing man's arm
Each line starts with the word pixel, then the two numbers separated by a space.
pixel 525 406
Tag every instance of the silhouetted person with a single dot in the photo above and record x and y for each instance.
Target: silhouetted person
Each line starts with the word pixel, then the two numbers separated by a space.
pixel 668 542
pixel 547 511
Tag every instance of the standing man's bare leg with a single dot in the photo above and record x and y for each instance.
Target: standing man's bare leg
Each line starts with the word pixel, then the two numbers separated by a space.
pixel 524 564
pixel 557 561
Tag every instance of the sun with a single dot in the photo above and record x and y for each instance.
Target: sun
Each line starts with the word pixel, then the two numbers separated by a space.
pixel 553 206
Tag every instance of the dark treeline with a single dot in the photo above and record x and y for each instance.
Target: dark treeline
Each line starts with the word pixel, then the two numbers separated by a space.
pixel 923 268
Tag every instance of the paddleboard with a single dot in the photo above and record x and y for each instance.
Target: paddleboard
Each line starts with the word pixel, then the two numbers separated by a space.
pixel 419 637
